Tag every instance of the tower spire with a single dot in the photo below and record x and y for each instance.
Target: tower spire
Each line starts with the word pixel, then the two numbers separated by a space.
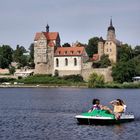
pixel 47 28
pixel 111 22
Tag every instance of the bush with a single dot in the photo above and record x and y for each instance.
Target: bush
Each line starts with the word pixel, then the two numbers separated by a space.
pixel 42 79
pixel 73 78
pixel 95 80
pixel 6 80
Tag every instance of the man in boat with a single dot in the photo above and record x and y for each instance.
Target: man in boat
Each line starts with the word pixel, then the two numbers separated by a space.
pixel 98 106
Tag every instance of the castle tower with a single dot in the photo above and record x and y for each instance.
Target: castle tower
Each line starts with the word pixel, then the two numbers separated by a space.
pixel 111 32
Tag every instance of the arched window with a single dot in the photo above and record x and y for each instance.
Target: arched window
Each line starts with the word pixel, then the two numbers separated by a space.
pixel 75 62
pixel 57 62
pixel 66 62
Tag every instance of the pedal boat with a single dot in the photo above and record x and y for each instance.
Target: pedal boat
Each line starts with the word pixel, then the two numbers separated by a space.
pixel 103 117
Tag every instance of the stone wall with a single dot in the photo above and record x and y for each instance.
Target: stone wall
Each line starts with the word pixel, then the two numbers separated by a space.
pixel 106 72
pixel 69 72
pixel 42 69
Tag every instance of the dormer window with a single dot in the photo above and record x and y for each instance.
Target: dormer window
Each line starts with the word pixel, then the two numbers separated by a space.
pixel 78 52
pixel 66 52
pixel 59 52
pixel 71 52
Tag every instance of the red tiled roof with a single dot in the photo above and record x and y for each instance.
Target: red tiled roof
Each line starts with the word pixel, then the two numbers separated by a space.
pixel 69 51
pixel 37 36
pixel 48 35
pixel 51 35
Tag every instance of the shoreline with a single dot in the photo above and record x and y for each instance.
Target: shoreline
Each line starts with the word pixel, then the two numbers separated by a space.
pixel 40 86
pixel 109 86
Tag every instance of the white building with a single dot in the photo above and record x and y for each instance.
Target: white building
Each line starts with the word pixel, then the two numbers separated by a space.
pixel 69 60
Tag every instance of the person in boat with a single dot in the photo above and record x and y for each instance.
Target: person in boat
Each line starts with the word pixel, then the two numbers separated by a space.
pixel 119 107
pixel 98 106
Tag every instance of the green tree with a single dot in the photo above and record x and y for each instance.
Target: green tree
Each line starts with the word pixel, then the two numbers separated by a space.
pixel 5 56
pixel 92 47
pixel 125 53
pixel 136 51
pixel 31 57
pixel 18 56
pixel 136 62
pixel 103 63
pixel 12 70
pixel 66 45
pixel 95 80
pixel 3 62
pixel 123 72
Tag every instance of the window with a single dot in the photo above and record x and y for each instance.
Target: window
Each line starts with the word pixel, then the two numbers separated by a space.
pixel 57 62
pixel 59 52
pixel 71 52
pixel 66 52
pixel 66 62
pixel 75 62
pixel 78 52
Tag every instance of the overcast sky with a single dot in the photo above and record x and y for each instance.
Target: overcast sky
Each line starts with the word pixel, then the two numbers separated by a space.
pixel 75 20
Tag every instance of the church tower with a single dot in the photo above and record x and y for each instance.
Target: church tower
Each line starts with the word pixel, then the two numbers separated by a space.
pixel 111 32
pixel 110 47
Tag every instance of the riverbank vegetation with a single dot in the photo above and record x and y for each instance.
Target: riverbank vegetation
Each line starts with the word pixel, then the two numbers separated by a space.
pixel 72 80
pixel 95 81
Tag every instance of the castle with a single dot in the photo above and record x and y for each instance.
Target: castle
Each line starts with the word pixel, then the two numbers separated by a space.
pixel 50 57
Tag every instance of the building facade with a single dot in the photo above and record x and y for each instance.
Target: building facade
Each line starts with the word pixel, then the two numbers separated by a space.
pixel 70 60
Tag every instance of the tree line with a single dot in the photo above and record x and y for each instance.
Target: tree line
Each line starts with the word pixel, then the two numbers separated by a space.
pixel 9 55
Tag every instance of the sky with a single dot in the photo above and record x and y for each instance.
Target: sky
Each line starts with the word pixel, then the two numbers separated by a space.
pixel 75 20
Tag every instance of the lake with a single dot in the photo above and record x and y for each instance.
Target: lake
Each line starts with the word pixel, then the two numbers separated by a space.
pixel 48 114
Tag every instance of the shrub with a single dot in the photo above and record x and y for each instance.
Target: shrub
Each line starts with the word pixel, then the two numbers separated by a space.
pixel 6 80
pixel 95 80
pixel 73 78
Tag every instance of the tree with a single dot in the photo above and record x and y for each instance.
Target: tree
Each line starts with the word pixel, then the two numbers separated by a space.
pixel 12 70
pixel 136 62
pixel 125 53
pixel 123 72
pixel 5 56
pixel 95 80
pixel 31 58
pixel 66 45
pixel 92 47
pixel 3 62
pixel 103 63
pixel 136 51
pixel 18 55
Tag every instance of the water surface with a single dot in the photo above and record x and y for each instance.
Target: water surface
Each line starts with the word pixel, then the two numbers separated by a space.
pixel 48 114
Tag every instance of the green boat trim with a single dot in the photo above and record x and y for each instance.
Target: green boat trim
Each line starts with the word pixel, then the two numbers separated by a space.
pixel 99 113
